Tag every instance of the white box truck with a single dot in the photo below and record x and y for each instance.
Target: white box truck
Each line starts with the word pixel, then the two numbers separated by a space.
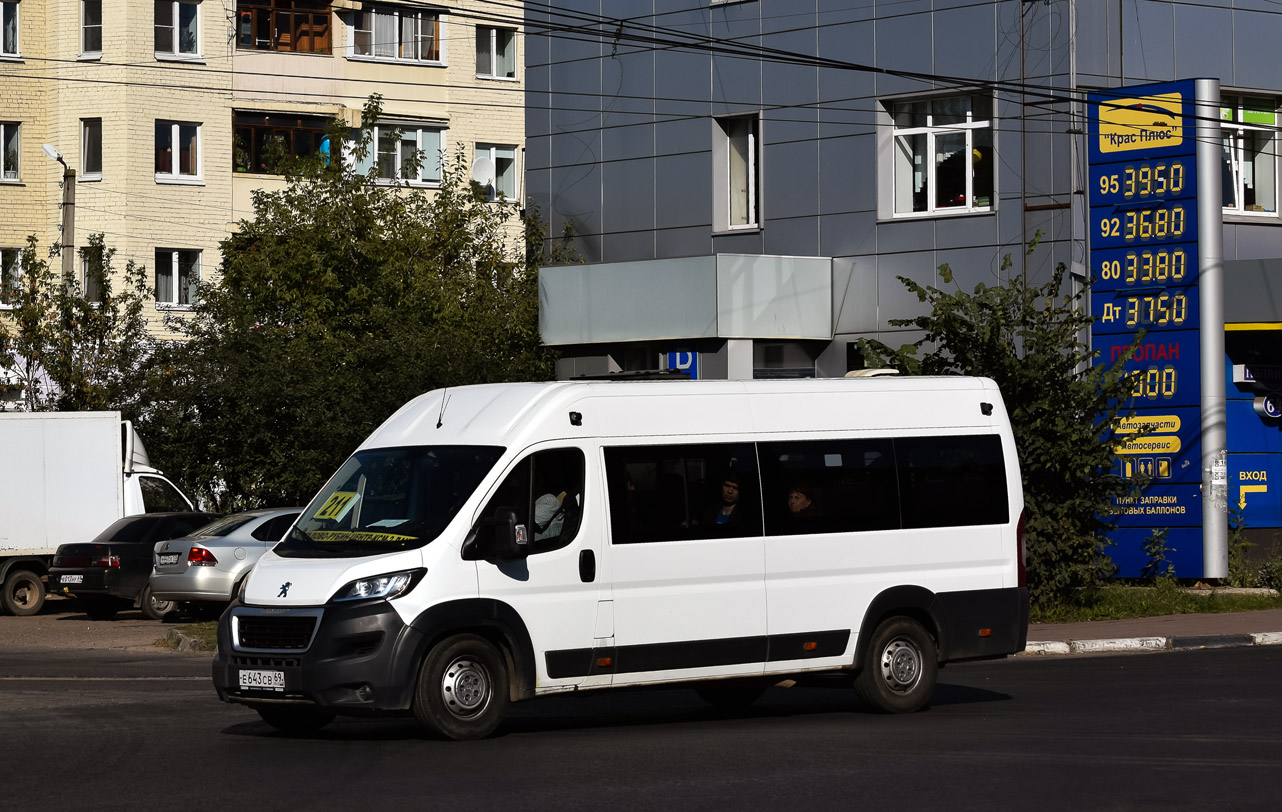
pixel 64 476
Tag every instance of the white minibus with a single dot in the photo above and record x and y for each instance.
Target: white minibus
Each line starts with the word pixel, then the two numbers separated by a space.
pixel 491 544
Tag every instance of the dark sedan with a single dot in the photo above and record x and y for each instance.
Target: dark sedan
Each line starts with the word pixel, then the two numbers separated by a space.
pixel 111 572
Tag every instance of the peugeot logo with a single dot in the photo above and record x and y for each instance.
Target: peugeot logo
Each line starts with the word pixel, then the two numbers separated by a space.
pixel 284 589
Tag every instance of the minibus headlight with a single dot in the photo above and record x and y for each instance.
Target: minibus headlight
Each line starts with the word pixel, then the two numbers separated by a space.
pixel 391 585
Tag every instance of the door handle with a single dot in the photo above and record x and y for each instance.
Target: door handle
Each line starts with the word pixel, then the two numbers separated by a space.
pixel 587 566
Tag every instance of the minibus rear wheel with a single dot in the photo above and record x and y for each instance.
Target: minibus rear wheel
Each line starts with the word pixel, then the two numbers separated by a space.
pixel 899 672
pixel 462 690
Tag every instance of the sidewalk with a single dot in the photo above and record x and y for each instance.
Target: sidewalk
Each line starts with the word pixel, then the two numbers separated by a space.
pixel 1259 628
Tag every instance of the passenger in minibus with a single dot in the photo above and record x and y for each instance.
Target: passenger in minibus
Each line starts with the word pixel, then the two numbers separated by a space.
pixel 726 517
pixel 549 515
pixel 801 503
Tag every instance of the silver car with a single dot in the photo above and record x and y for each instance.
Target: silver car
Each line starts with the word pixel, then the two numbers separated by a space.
pixel 208 565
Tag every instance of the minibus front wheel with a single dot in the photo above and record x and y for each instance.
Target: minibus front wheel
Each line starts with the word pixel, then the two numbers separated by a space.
pixel 462 689
pixel 899 673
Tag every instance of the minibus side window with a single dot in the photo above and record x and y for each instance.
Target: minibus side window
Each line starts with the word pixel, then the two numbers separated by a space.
pixel 546 491
pixel 829 486
pixel 683 492
pixel 953 481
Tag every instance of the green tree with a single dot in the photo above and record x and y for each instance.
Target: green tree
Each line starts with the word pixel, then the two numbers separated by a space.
pixel 342 298
pixel 66 349
pixel 1063 408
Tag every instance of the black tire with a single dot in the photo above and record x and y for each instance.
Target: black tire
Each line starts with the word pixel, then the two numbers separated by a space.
pixel 731 694
pixel 295 721
pixel 462 690
pixel 900 669
pixel 24 594
pixel 100 608
pixel 152 607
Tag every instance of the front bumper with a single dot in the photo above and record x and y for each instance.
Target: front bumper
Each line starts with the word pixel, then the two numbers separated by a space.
pixel 355 659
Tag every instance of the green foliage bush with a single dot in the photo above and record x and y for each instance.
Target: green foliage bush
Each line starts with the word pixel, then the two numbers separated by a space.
pixel 1063 408
pixel 63 348
pixel 341 299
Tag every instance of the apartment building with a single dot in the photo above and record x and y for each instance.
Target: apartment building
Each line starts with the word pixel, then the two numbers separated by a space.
pixel 164 110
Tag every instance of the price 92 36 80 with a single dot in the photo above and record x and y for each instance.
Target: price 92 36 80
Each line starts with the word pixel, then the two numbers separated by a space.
pixel 1145 225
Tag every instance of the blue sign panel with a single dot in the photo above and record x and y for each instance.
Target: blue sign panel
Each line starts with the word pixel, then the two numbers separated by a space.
pixel 1144 266
pixel 1161 505
pixel 1144 261
pixel 685 362
pixel 1183 545
pixel 1249 431
pixel 1254 488
pixel 1165 365
pixel 1141 123
pixel 1130 309
pixel 1170 451
pixel 1143 225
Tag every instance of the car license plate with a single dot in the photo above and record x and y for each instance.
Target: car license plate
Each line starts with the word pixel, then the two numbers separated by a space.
pixel 168 558
pixel 72 579
pixel 262 680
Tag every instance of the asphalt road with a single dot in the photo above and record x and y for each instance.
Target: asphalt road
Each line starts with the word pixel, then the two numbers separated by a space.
pixel 131 727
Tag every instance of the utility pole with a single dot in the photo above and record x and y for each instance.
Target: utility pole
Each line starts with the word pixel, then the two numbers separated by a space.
pixel 68 238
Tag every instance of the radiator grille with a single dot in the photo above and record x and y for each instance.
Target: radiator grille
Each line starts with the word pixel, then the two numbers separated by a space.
pixel 284 633
pixel 243 661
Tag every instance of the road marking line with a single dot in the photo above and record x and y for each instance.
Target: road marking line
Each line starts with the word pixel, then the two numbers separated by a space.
pixel 103 679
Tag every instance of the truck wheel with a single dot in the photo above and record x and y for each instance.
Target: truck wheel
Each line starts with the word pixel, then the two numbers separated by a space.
pixel 295 721
pixel 100 608
pixel 899 673
pixel 24 594
pixel 462 690
pixel 152 607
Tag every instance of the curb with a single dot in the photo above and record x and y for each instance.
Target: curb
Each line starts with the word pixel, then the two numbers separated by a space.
pixel 184 642
pixel 1037 648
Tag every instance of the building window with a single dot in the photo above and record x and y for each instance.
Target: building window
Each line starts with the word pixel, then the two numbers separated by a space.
pixel 9 29
pixel 397 33
pixel 177 151
pixel 405 152
pixel 10 272
pixel 91 274
pixel 263 139
pixel 495 52
pixel 736 172
pixel 90 27
pixel 1250 162
pixel 177 28
pixel 90 148
pixel 497 164
pixel 283 25
pixel 943 155
pixel 9 148
pixel 177 273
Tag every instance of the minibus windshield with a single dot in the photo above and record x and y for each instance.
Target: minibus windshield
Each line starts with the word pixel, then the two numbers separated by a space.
pixel 388 499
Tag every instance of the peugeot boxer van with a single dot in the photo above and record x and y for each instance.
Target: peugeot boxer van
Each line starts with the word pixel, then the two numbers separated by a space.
pixel 492 544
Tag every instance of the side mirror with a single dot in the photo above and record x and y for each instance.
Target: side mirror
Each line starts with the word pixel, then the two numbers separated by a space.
pixel 498 536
